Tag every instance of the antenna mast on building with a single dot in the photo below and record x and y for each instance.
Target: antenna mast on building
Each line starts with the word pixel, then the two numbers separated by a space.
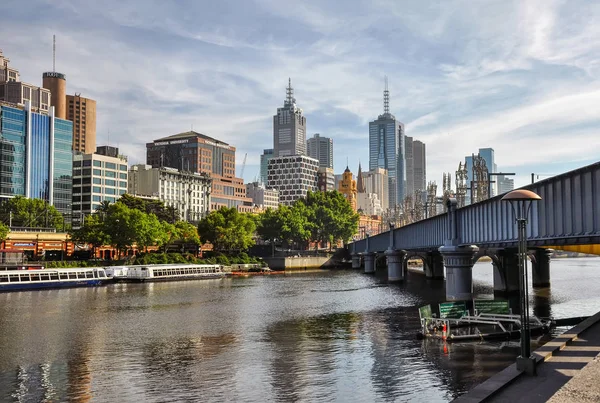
pixel 290 93
pixel 54 53
pixel 386 97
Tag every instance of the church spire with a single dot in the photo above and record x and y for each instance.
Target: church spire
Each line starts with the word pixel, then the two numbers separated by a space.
pixel 360 185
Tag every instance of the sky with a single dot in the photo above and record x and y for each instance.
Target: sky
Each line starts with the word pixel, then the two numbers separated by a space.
pixel 521 77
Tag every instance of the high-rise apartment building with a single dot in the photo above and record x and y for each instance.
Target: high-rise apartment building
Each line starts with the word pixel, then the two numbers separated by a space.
pixel 289 128
pixel 293 176
pixel 321 148
pixel 488 156
pixel 82 112
pixel 264 164
pixel 196 152
pixel 187 192
pixel 387 151
pixel 97 177
pixel 35 150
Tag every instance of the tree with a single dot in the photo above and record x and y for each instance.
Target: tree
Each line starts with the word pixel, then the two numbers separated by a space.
pixel 92 232
pixel 331 216
pixel 227 229
pixel 4 230
pixel 270 224
pixel 32 213
pixel 156 207
pixel 187 232
pixel 119 226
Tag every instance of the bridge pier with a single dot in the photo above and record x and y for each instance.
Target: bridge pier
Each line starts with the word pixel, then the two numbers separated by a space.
pixel 395 265
pixel 459 271
pixel 506 272
pixel 434 266
pixel 540 268
pixel 369 261
pixel 356 258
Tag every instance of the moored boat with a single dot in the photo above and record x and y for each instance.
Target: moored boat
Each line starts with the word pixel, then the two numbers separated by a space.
pixel 167 272
pixel 17 280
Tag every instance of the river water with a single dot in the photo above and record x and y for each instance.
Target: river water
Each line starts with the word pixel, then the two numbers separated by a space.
pixel 323 336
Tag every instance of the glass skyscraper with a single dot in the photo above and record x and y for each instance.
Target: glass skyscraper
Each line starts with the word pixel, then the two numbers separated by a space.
pixel 36 156
pixel 387 151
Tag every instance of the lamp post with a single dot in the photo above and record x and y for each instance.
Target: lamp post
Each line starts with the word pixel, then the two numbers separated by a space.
pixel 521 200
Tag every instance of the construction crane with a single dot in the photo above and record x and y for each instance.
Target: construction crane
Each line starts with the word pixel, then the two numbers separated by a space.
pixel 243 166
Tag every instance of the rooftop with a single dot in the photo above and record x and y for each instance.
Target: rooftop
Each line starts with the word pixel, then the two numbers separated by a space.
pixel 191 134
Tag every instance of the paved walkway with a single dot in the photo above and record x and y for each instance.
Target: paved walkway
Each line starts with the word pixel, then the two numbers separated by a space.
pixel 568 370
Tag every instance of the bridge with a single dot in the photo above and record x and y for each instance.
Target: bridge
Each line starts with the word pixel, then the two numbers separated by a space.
pixel 567 217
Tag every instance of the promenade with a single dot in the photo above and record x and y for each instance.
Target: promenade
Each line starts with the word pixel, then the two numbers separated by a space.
pixel 568 369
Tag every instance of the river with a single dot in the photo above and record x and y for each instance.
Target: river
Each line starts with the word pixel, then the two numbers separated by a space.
pixel 321 336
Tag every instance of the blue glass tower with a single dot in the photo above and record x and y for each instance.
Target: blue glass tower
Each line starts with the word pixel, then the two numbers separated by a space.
pixel 35 151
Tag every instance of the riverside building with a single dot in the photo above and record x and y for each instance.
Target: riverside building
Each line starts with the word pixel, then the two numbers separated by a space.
pixel 97 177
pixel 198 153
pixel 82 112
pixel 262 197
pixel 35 150
pixel 293 176
pixel 189 193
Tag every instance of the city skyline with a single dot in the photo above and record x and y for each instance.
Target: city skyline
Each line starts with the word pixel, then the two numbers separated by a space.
pixel 515 86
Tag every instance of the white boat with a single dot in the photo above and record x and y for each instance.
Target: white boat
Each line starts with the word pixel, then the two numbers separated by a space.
pixel 166 272
pixel 16 280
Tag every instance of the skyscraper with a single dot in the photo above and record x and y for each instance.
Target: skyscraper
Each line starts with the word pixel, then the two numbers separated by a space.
pixel 488 156
pixel 419 167
pixel 13 91
pixel 289 128
pixel 410 173
pixel 387 150
pixel 505 184
pixel 82 112
pixel 264 163
pixel 321 148
pixel 35 150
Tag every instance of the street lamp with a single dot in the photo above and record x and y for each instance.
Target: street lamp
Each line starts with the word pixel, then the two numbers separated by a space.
pixel 521 200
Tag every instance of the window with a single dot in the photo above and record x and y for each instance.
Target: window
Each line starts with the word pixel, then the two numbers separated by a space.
pixel 122 176
pixel 97 181
pixel 123 167
pixel 97 189
pixel 110 165
pixel 123 184
pixel 97 163
pixel 109 182
pixel 110 174
pixel 97 172
pixel 110 191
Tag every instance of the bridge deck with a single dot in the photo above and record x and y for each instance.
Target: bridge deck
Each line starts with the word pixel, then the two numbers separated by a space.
pixel 568 374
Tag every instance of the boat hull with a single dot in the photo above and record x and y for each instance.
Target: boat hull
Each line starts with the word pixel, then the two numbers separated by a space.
pixel 50 285
pixel 168 278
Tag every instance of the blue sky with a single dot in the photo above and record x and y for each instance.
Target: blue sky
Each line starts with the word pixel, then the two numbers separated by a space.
pixel 518 76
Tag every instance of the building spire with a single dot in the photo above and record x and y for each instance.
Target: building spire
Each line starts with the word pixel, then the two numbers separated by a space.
pixel 386 97
pixel 290 93
pixel 360 185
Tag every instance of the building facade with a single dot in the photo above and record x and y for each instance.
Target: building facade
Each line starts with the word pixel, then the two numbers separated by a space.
pixel 13 91
pixel 368 204
pixel 264 164
pixel 505 184
pixel 321 148
pixel 82 112
pixel 293 176
pixel 347 187
pixel 488 156
pixel 198 153
pixel 187 192
pixel 325 179
pixel 262 197
pixel 376 181
pixel 420 167
pixel 289 128
pixel 56 83
pixel 387 151
pixel 35 150
pixel 96 178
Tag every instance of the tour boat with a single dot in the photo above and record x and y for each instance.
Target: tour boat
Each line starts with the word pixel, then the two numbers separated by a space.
pixel 166 272
pixel 11 280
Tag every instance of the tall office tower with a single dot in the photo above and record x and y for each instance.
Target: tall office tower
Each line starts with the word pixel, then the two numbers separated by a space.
pixel 82 112
pixel 505 184
pixel 56 83
pixel 387 150
pixel 488 156
pixel 325 179
pixel 321 148
pixel 289 128
pixel 97 177
pixel 410 173
pixel 196 152
pixel 35 150
pixel 264 164
pixel 420 168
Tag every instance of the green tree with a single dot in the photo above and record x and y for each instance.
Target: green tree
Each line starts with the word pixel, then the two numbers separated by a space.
pixel 187 232
pixel 270 225
pixel 227 229
pixel 4 230
pixel 331 216
pixel 31 213
pixel 92 232
pixel 156 207
pixel 119 226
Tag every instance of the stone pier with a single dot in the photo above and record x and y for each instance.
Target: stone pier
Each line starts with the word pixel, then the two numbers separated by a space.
pixel 459 271
pixel 395 265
